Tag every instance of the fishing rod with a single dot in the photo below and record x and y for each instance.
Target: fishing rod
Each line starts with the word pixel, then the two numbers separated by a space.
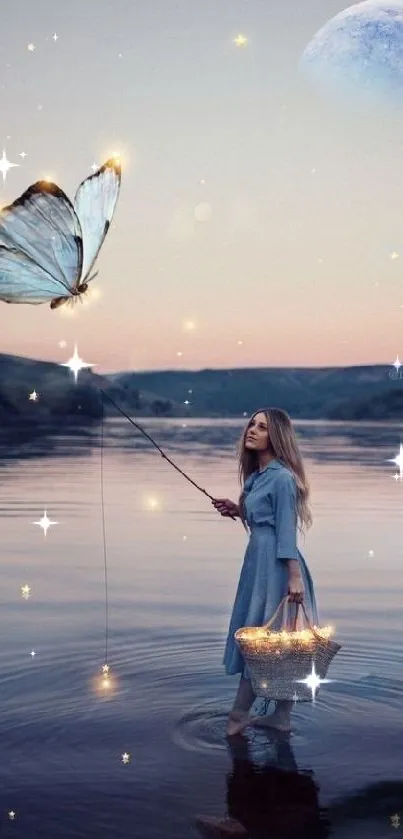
pixel 154 443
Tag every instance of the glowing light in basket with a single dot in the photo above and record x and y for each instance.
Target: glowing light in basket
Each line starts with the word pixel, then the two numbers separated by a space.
pixel 260 636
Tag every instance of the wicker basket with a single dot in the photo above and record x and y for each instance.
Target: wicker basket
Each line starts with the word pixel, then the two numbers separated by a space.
pixel 277 660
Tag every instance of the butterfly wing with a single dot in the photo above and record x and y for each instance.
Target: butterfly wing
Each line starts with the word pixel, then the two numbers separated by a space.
pixel 40 246
pixel 22 280
pixel 94 205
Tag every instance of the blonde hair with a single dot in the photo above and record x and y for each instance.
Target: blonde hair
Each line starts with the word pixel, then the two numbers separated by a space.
pixel 283 445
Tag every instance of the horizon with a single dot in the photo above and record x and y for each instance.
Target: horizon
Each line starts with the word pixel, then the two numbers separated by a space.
pixel 198 370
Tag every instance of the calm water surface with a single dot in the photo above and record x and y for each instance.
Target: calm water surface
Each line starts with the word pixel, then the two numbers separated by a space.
pixel 173 566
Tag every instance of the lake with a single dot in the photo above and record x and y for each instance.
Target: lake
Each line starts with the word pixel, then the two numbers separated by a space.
pixel 172 570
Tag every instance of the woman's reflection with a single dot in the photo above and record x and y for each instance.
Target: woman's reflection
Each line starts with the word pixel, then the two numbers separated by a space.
pixel 273 800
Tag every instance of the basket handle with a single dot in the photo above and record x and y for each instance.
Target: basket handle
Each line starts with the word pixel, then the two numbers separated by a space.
pixel 283 603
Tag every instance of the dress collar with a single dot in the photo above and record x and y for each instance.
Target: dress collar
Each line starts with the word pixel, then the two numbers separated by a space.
pixel 274 464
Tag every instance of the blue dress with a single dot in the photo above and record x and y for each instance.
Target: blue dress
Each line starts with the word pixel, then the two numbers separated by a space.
pixel 271 513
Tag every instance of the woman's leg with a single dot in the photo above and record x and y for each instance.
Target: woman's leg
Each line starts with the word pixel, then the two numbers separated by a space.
pixel 284 708
pixel 280 718
pixel 244 700
pixel 245 696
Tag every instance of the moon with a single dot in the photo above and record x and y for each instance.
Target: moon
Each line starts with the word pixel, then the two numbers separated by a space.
pixel 359 52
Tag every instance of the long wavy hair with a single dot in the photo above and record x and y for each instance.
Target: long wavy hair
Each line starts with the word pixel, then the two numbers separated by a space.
pixel 283 446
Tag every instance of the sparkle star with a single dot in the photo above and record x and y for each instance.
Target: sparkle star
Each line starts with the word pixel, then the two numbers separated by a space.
pixel 5 165
pixel 23 155
pixel 31 47
pixel 395 820
pixel 399 461
pixel 397 364
pixel 394 255
pixel 33 396
pixel 240 41
pixel 25 592
pixel 75 363
pixel 94 167
pixel 313 681
pixel 33 653
pixel 45 523
pixel 125 758
pixel 11 815
pixel 105 668
pixel 55 37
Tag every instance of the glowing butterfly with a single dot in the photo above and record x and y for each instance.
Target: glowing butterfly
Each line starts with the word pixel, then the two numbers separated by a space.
pixel 48 246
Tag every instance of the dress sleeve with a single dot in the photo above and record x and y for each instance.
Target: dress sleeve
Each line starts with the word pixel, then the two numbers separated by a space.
pixel 285 504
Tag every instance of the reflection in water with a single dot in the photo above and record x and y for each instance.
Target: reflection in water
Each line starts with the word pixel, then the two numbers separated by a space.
pixel 322 440
pixel 276 800
pixel 270 800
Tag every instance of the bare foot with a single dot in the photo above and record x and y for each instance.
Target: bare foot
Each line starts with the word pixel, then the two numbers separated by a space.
pixel 211 826
pixel 237 721
pixel 274 720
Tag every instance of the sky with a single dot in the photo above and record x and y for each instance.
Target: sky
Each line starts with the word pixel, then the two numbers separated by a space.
pixel 258 225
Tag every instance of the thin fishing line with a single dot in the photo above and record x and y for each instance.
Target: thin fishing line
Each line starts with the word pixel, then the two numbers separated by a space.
pixel 104 535
pixel 136 425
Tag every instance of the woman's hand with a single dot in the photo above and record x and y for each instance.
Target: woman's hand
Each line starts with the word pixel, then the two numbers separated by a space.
pixel 226 507
pixel 296 589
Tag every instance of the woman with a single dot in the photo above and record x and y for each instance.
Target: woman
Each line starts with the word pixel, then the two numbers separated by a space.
pixel 275 495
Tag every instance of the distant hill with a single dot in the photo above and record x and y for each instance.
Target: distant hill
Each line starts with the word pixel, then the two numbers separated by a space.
pixel 360 392
pixel 60 399
pixel 343 393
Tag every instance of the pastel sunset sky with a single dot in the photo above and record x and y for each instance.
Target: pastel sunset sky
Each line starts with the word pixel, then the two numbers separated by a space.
pixel 257 224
